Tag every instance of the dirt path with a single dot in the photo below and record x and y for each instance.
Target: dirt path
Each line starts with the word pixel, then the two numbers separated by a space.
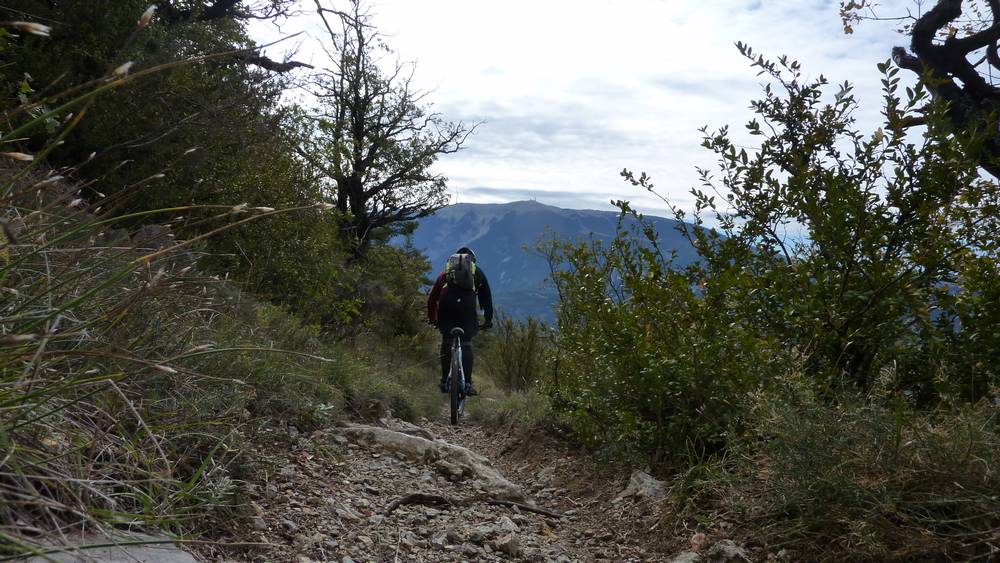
pixel 323 497
pixel 556 476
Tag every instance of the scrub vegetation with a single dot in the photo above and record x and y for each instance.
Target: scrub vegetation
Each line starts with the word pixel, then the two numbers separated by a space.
pixel 829 365
pixel 187 259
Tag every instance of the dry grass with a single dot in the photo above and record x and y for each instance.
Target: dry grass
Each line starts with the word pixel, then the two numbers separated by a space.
pixel 98 425
pixel 129 381
pixel 857 480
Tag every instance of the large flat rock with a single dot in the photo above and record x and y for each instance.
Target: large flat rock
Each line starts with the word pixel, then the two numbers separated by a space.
pixel 133 548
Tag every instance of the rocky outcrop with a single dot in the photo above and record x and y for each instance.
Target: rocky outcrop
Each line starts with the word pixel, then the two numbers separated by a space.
pixel 723 551
pixel 643 486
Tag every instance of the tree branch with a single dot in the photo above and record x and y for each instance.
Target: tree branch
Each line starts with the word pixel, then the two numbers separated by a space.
pixel 272 65
pixel 220 9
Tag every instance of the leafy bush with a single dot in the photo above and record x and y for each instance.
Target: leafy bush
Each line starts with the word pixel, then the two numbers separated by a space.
pixel 890 235
pixel 826 373
pixel 885 277
pixel 650 364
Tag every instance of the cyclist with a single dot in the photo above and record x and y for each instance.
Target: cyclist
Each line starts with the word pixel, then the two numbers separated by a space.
pixel 452 303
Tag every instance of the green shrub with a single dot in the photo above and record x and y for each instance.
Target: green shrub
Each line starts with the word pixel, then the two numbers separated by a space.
pixel 650 364
pixel 515 355
pixel 861 258
pixel 863 252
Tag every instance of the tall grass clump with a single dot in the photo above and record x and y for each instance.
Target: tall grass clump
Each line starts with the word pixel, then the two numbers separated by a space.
pixel 129 379
pixel 513 360
pixel 98 421
pixel 517 355
pixel 82 309
pixel 498 406
pixel 879 481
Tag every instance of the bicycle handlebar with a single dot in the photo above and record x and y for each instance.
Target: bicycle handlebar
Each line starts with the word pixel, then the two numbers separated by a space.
pixel 480 326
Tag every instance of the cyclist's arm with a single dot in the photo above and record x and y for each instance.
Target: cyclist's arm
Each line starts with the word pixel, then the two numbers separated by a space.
pixel 432 299
pixel 485 296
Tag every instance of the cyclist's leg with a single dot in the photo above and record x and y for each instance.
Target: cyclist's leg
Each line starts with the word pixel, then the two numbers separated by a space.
pixel 446 322
pixel 467 360
pixel 446 342
pixel 445 356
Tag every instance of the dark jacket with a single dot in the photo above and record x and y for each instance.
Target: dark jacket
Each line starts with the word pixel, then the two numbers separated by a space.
pixel 449 307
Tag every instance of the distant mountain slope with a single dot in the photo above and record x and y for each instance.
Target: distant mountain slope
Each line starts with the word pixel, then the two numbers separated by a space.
pixel 503 236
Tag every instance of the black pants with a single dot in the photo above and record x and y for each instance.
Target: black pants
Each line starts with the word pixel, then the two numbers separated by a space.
pixel 446 343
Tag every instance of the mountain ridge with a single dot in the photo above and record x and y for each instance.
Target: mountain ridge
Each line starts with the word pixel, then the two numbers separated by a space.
pixel 503 236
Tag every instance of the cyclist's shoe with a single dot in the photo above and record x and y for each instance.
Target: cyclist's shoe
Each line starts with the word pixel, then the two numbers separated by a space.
pixel 470 390
pixel 443 386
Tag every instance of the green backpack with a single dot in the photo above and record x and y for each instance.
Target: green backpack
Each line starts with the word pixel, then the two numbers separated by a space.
pixel 460 271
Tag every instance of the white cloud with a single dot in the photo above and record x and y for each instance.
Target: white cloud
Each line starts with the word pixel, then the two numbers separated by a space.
pixel 574 91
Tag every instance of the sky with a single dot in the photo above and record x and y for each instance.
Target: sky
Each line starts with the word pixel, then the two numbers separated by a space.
pixel 569 93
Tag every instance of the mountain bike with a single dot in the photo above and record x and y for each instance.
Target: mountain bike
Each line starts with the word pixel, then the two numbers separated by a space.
pixel 456 377
pixel 458 383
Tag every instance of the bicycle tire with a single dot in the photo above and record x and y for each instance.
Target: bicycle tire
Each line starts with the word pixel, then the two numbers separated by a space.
pixel 454 378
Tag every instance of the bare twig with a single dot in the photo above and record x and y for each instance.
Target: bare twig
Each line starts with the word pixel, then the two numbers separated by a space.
pixel 438 500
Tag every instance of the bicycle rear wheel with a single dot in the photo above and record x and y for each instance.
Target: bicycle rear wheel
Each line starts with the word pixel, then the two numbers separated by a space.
pixel 455 383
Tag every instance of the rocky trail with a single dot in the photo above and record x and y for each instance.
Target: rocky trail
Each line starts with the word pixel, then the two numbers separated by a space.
pixel 394 491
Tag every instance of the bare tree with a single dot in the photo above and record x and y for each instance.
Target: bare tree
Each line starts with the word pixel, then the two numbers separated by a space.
pixel 953 49
pixel 375 138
